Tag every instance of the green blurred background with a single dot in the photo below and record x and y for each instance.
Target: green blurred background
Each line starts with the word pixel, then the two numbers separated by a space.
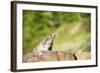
pixel 72 29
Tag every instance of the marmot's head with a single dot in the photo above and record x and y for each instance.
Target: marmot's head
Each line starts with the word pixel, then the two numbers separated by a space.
pixel 52 35
pixel 49 39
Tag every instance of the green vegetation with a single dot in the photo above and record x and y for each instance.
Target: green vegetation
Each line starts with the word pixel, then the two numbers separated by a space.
pixel 72 30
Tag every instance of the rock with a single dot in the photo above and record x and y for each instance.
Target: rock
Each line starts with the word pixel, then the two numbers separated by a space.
pixel 48 56
pixel 83 55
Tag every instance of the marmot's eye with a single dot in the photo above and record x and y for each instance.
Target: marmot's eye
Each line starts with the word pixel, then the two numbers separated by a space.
pixel 52 35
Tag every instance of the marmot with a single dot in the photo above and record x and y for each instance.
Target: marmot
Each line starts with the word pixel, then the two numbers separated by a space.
pixel 45 45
